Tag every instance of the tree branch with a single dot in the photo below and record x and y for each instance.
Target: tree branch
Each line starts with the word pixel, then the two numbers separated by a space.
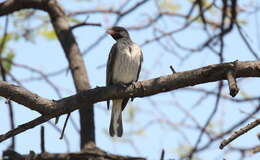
pixel 145 88
pixel 210 73
pixel 89 153
pixel 239 133
pixel 66 38
pixel 23 96
pixel 24 127
pixel 77 67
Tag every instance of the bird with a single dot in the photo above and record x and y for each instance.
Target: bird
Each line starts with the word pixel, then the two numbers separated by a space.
pixel 123 68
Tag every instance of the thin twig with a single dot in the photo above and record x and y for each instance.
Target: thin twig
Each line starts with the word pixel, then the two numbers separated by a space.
pixel 24 127
pixel 229 130
pixel 65 138
pixel 151 87
pixel 162 154
pixel 3 75
pixel 239 133
pixel 42 140
pixel 119 17
pixel 85 24
pixel 208 120
pixel 172 69
pixel 250 48
pixel 64 126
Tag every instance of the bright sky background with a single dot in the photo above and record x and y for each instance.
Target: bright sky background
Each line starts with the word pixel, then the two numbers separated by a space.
pixel 154 127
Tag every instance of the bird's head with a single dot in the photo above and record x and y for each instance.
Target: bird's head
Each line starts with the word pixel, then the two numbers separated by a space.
pixel 118 32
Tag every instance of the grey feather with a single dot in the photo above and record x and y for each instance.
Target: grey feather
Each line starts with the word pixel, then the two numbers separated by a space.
pixel 109 73
pixel 123 67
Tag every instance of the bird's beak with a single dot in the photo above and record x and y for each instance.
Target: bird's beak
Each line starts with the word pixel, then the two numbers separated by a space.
pixel 110 31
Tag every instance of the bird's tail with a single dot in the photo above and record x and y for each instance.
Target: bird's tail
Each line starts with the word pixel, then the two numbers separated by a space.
pixel 116 126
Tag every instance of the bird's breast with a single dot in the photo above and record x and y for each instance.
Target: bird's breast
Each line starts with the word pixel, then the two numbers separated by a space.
pixel 127 63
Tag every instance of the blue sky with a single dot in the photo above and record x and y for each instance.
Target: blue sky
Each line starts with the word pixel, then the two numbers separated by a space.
pixel 154 127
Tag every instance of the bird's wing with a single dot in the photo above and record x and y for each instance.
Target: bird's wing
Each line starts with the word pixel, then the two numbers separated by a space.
pixel 140 65
pixel 139 69
pixel 110 64
pixel 137 77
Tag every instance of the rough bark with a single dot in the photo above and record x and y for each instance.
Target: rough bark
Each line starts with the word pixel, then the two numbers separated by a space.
pixel 210 73
pixel 77 67
pixel 71 50
pixel 51 109
pixel 90 152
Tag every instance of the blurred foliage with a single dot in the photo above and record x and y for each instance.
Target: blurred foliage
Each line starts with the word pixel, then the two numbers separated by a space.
pixel 29 24
pixel 242 22
pixel 7 53
pixel 48 34
pixel 74 20
pixel 8 58
pixel 25 14
pixel 8 37
pixel 169 5
pixel 182 150
pixel 139 132
pixel 131 112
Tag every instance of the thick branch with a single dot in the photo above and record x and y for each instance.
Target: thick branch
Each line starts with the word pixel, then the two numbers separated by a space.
pixel 89 154
pixel 22 96
pixel 66 38
pixel 145 88
pixel 77 67
pixel 10 6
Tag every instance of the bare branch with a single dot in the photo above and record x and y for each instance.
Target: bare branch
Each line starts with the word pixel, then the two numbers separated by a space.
pixel 68 42
pixel 239 133
pixel 85 24
pixel 24 127
pixel 161 84
pixel 42 135
pixel 162 154
pixel 256 149
pixel 231 77
pixel 22 96
pixel 90 153
pixel 150 87
pixel 233 89
pixel 229 130
pixel 213 113
pixel 3 75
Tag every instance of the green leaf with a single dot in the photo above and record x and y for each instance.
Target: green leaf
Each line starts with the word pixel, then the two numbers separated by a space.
pixel 49 34
pixel 74 20
pixel 6 63
pixel 9 37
